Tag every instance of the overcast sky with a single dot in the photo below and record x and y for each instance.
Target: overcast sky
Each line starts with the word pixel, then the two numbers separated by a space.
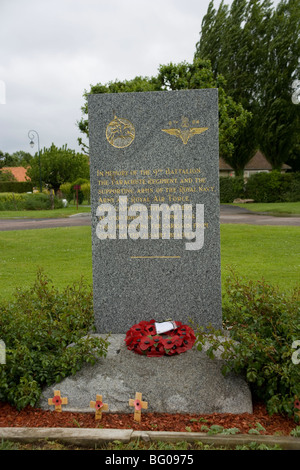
pixel 52 50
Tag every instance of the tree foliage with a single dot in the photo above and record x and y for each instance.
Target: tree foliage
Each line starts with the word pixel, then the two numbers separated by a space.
pixel 182 76
pixel 257 49
pixel 58 166
pixel 19 158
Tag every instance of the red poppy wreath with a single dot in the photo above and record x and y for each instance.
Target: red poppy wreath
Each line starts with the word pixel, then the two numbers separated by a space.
pixel 143 339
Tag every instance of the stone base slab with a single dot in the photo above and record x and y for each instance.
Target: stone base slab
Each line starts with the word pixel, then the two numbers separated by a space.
pixel 186 383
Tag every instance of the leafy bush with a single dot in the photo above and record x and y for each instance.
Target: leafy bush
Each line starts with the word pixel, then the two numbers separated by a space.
pixel 37 329
pixel 66 189
pixel 263 324
pixel 268 187
pixel 293 192
pixel 86 191
pixel 19 202
pixel 12 201
pixel 41 201
pixel 231 188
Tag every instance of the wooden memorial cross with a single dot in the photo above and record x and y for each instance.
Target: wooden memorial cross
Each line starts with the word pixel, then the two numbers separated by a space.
pixel 99 406
pixel 57 401
pixel 138 406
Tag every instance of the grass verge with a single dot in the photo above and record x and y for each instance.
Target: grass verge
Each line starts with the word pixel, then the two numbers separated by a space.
pixel 275 208
pixel 46 214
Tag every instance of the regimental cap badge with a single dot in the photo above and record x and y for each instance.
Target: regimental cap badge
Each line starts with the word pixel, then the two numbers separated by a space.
pixel 184 130
pixel 120 133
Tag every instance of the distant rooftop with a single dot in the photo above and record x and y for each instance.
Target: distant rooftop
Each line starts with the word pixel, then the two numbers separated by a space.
pixel 18 171
pixel 258 162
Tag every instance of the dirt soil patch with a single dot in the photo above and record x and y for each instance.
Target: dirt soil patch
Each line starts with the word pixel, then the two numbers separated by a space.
pixel 34 417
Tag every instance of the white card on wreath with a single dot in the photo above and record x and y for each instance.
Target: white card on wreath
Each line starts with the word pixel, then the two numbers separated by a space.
pixel 165 326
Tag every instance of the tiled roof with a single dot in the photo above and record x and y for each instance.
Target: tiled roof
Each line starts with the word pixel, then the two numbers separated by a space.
pixel 223 165
pixel 258 162
pixel 18 171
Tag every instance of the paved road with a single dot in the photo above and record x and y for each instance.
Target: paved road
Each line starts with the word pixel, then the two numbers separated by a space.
pixel 228 215
pixel 241 215
pixel 27 224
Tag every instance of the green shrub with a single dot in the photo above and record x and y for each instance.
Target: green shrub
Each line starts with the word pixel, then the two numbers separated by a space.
pixel 37 329
pixel 86 191
pixel 66 189
pixel 263 324
pixel 19 202
pixel 231 188
pixel 268 187
pixel 12 201
pixel 293 192
pixel 41 201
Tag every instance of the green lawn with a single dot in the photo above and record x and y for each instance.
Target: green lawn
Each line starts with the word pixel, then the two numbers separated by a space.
pixel 275 208
pixel 65 255
pixel 46 214
pixel 262 251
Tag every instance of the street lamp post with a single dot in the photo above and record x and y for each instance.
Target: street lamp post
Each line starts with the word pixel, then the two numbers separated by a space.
pixel 31 143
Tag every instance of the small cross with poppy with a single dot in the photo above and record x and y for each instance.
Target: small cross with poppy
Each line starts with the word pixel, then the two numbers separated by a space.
pixel 57 401
pixel 99 406
pixel 138 406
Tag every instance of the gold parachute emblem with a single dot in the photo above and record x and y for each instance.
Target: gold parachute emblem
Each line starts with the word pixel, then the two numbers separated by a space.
pixel 185 134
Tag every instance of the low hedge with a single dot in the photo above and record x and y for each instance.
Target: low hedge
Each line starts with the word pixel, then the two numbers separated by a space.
pixel 37 329
pixel 20 202
pixel 271 187
pixel 231 188
pixel 261 187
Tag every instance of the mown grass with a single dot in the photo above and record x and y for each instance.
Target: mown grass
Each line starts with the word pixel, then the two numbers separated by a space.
pixel 46 214
pixel 275 208
pixel 65 254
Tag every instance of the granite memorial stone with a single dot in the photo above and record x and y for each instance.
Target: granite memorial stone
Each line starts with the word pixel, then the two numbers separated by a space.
pixel 154 167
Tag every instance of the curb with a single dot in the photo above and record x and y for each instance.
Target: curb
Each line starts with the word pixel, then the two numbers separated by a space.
pixel 91 437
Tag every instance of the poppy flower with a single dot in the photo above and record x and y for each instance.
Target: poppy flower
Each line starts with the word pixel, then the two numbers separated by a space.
pixel 98 404
pixel 57 400
pixel 137 405
pixel 297 404
pixel 146 342
pixel 169 342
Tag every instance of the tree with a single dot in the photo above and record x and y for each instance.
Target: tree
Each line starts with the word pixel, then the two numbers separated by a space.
pixel 256 49
pixel 280 119
pixel 58 166
pixel 22 158
pixel 195 75
pixel 19 158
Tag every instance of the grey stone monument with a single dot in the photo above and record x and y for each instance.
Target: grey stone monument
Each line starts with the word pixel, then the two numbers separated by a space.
pixel 154 166
pixel 156 251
